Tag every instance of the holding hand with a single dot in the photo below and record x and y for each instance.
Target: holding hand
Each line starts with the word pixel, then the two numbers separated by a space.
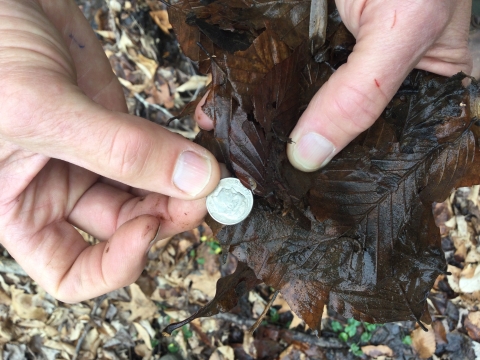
pixel 393 37
pixel 69 155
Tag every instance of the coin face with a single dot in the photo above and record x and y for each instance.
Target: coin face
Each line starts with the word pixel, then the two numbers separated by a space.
pixel 230 202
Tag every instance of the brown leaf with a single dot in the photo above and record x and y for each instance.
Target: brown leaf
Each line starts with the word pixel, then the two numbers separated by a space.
pixel 377 350
pixel 140 306
pixel 224 352
pixel 276 99
pixel 143 335
pixel 245 69
pixel 472 325
pixel 4 298
pixel 423 342
pixel 204 282
pixel 6 331
pixel 187 36
pixel 249 150
pixel 440 332
pixel 25 305
pixel 289 18
pixel 188 18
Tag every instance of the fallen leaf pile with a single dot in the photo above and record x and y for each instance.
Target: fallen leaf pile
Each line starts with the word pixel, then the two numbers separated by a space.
pixel 157 78
pixel 358 235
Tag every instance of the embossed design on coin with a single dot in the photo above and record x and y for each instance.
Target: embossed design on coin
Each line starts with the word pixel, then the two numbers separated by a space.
pixel 230 202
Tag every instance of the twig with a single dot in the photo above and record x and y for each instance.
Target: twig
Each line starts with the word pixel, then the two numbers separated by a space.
pixel 165 3
pixel 201 335
pixel 153 106
pixel 264 313
pixel 331 343
pixel 10 266
pixel 187 134
pixel 97 303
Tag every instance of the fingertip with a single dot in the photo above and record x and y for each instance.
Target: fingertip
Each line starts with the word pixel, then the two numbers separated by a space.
pixel 196 173
pixel 124 254
pixel 109 265
pixel 203 121
pixel 310 152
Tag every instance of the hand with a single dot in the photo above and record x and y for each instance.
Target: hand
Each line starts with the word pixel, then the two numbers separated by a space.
pixel 69 155
pixel 393 37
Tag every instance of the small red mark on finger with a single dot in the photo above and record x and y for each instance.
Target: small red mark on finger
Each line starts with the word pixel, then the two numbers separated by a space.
pixel 377 83
pixel 394 19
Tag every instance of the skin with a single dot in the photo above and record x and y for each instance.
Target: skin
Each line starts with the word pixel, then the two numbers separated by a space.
pixel 393 37
pixel 71 156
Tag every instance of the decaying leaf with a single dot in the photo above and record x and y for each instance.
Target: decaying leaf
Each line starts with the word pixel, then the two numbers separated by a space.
pixel 27 306
pixel 223 353
pixel 359 235
pixel 140 306
pixel 375 351
pixel 472 324
pixel 423 342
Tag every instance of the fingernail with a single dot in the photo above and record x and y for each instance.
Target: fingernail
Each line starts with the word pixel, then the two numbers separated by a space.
pixel 313 151
pixel 154 240
pixel 192 172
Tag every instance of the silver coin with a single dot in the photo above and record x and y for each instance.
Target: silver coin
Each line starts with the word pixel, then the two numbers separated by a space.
pixel 230 202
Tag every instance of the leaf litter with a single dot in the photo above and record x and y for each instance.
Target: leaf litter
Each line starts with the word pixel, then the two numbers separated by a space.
pixel 129 320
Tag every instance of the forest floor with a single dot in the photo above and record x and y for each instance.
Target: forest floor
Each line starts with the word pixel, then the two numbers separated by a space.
pixel 179 278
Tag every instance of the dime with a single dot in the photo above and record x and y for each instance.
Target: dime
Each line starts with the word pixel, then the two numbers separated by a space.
pixel 230 202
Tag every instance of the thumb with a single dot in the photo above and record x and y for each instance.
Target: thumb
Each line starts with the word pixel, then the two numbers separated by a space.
pixel 125 148
pixel 357 93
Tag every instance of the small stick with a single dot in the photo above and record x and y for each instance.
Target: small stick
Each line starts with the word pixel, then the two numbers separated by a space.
pixel 186 134
pixel 264 313
pixel 153 106
pixel 10 266
pixel 330 343
pixel 164 2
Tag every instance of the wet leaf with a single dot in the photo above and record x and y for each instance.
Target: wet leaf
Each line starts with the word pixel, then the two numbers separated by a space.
pixel 248 68
pixel 359 235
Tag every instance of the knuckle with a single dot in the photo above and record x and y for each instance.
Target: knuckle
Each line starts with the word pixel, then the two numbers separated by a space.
pixel 431 25
pixel 129 152
pixel 354 113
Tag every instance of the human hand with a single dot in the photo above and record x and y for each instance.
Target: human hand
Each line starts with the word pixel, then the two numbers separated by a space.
pixel 69 155
pixel 393 37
